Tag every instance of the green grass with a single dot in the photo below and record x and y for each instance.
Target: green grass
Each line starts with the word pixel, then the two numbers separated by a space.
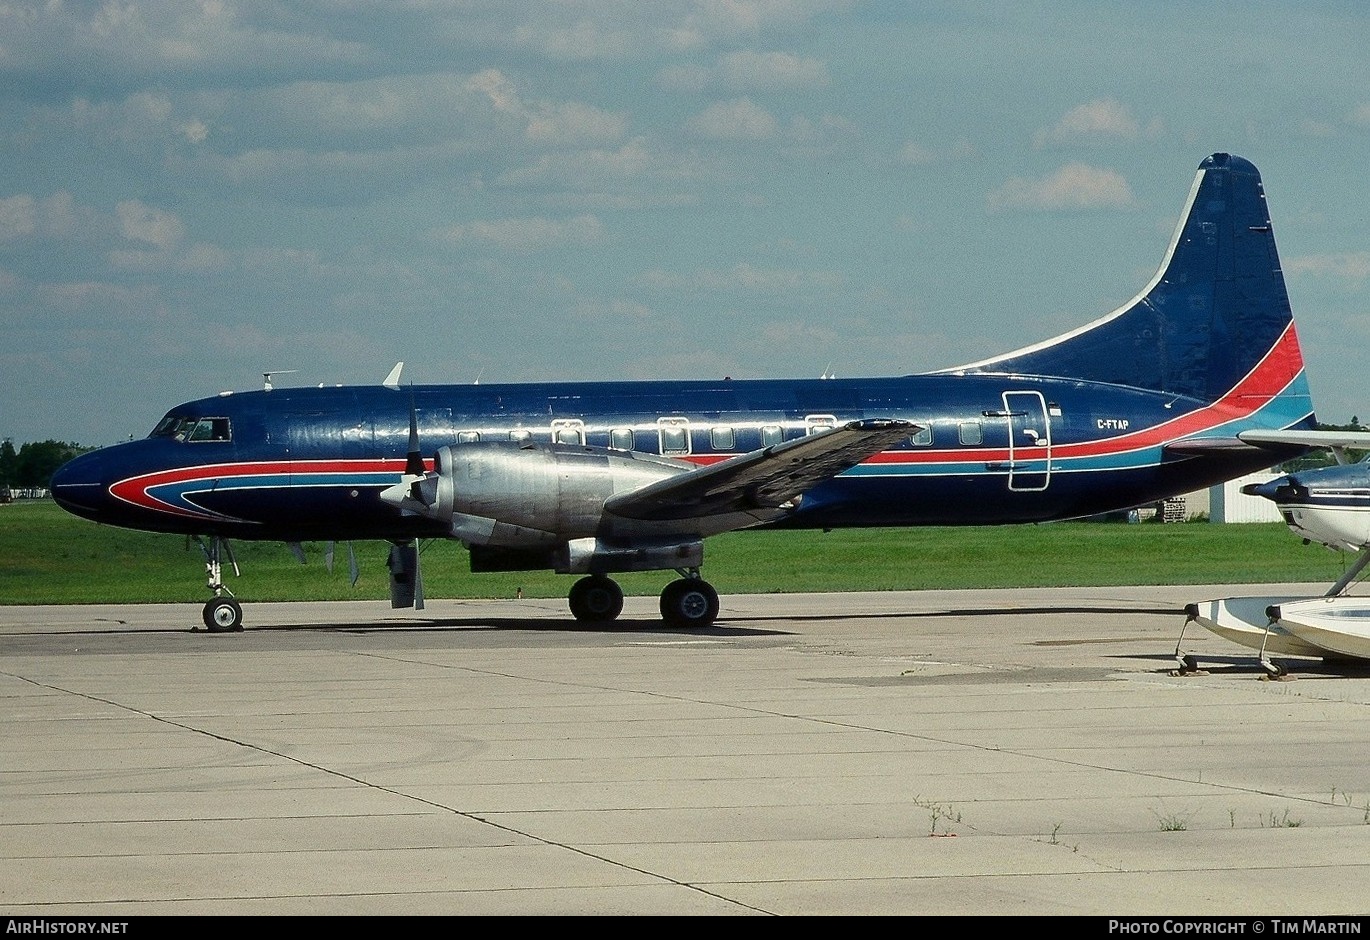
pixel 50 557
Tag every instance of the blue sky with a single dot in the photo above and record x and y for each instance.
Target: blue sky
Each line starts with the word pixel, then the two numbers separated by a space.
pixel 196 193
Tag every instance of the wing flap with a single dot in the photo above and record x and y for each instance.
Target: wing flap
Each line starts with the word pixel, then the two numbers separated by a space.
pixel 763 479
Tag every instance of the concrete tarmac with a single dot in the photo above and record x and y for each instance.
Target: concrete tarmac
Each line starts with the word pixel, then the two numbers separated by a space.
pixel 934 752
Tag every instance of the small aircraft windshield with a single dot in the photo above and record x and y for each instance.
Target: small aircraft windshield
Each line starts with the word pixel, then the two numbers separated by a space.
pixel 184 428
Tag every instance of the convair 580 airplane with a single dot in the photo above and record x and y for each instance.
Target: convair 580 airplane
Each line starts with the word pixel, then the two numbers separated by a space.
pixel 593 478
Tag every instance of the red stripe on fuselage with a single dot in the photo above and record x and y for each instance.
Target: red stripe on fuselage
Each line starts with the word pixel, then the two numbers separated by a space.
pixel 135 490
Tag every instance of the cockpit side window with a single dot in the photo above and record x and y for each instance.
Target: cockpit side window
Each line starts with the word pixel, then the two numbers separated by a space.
pixel 171 426
pixel 211 429
pixel 182 428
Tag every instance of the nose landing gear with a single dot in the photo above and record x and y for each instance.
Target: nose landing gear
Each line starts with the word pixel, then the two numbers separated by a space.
pixel 222 614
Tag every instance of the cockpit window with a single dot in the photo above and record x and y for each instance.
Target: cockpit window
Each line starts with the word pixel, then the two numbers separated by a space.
pixel 169 426
pixel 182 428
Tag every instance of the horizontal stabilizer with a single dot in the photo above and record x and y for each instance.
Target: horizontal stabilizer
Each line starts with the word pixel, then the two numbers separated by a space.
pixel 1197 446
pixel 1329 439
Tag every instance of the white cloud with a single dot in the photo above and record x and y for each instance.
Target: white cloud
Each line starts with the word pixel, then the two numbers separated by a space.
pixel 917 154
pixel 633 164
pixel 746 71
pixel 1352 267
pixel 157 38
pixel 687 77
pixel 1076 186
pixel 137 302
pixel 612 310
pixel 528 234
pixel 18 216
pixel 56 215
pixel 746 277
pixel 548 121
pixel 1101 120
pixel 143 223
pixel 196 131
pixel 739 119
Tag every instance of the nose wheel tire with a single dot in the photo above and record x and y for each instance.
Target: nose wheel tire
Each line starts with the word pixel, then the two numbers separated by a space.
pixel 596 599
pixel 691 603
pixel 223 615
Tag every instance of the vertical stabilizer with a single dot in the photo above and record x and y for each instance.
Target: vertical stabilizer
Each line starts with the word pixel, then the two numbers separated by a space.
pixel 1215 311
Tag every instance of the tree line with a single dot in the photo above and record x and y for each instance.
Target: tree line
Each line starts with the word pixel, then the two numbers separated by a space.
pixel 33 464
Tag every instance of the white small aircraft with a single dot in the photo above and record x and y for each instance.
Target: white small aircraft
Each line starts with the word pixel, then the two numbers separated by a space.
pixel 1329 506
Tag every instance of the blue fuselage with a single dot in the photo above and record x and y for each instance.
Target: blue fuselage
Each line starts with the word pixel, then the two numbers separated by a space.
pixel 309 463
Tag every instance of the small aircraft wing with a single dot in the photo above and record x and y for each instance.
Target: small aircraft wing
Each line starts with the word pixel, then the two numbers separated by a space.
pixel 1336 441
pixel 763 479
pixel 1358 439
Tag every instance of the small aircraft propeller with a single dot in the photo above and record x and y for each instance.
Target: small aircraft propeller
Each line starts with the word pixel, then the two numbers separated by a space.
pixel 417 489
pixel 413 495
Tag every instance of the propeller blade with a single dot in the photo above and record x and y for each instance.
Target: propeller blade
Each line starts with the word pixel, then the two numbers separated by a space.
pixel 413 466
pixel 297 550
pixel 353 571
pixel 328 556
pixel 418 575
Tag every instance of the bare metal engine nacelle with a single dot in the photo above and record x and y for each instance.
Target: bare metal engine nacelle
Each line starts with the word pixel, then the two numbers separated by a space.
pixel 527 495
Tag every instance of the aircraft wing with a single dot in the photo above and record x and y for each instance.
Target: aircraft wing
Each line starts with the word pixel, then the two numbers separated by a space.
pixel 763 479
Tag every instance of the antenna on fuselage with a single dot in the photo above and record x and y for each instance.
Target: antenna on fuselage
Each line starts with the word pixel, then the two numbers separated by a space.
pixel 392 381
pixel 266 377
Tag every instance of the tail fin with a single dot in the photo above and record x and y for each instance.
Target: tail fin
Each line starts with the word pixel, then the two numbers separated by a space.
pixel 1213 315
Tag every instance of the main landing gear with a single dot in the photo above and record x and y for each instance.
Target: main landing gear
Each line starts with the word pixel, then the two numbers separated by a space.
pixel 222 614
pixel 689 602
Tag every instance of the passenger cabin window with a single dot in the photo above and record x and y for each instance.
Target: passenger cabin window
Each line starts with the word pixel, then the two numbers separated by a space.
pixel 970 432
pixel 922 438
pixel 621 438
pixel 568 431
pixel 722 439
pixel 817 424
pixel 520 436
pixel 675 436
pixel 771 434
pixel 468 437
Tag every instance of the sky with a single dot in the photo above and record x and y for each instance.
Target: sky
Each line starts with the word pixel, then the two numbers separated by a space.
pixel 195 193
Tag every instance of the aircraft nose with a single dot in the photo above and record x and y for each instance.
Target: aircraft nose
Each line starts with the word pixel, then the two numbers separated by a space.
pixel 79 486
pixel 1279 490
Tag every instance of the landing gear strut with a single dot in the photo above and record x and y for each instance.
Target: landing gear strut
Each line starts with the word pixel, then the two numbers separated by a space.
pixel 222 614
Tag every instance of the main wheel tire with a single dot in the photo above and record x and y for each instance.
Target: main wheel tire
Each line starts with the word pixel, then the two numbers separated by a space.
pixel 223 615
pixel 596 599
pixel 691 603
